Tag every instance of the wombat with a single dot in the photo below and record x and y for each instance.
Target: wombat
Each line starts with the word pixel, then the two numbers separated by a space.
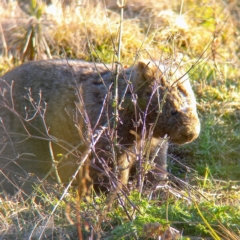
pixel 52 112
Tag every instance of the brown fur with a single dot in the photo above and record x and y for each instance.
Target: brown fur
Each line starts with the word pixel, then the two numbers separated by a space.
pixel 61 102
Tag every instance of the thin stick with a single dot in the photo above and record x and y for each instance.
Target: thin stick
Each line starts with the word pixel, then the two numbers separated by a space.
pixel 115 101
pixel 54 163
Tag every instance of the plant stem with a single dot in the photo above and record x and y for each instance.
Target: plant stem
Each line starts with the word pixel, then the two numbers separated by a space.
pixel 117 70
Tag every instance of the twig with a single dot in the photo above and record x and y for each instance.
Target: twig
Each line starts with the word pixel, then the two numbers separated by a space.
pixel 54 163
pixel 115 101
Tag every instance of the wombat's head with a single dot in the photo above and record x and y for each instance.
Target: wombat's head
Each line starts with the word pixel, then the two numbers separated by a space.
pixel 165 93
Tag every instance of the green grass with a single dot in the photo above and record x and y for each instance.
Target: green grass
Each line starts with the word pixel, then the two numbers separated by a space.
pixel 208 193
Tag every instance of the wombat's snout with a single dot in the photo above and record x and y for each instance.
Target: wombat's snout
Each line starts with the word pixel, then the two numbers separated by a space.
pixel 188 133
pixel 192 134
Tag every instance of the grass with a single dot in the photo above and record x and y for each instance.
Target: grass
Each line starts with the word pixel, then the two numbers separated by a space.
pixel 219 141
pixel 202 197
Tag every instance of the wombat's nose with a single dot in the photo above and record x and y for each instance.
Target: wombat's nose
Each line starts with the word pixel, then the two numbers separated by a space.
pixel 189 137
pixel 192 133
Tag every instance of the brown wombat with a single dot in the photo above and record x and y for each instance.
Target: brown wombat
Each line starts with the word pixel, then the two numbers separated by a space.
pixel 53 111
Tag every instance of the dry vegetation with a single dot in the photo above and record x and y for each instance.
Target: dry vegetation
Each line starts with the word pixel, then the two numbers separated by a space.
pixel 202 198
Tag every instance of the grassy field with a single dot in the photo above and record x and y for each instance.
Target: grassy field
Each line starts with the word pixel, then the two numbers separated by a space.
pixel 201 200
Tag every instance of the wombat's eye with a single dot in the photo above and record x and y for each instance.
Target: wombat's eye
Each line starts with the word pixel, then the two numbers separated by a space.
pixel 149 94
pixel 174 112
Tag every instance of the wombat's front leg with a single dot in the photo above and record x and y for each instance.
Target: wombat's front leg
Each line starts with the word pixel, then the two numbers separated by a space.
pixel 124 165
pixel 158 154
pixel 159 148
pixel 125 162
pixel 85 184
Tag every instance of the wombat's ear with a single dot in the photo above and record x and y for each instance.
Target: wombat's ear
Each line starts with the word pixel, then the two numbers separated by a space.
pixel 145 69
pixel 150 72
